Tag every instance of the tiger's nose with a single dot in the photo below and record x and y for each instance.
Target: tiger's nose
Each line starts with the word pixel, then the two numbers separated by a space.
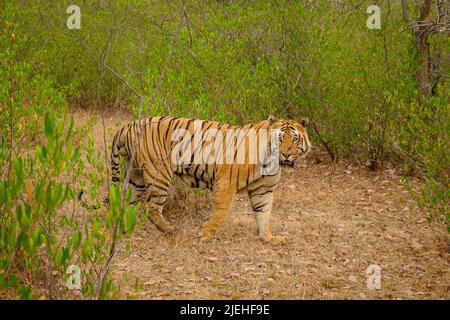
pixel 285 155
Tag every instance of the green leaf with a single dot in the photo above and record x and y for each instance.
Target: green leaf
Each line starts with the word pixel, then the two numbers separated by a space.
pixel 22 218
pixel 25 293
pixel 77 239
pixel 18 170
pixel 49 125
pixel 130 219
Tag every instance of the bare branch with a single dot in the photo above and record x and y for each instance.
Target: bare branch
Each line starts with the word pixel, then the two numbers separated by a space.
pixel 323 142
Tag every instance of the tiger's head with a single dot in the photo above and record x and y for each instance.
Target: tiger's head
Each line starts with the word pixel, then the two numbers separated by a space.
pixel 292 139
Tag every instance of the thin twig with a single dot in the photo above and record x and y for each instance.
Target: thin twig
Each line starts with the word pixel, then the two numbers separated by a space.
pixel 105 152
pixel 324 143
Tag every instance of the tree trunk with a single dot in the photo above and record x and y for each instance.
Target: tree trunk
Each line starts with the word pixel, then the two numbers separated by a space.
pixel 422 33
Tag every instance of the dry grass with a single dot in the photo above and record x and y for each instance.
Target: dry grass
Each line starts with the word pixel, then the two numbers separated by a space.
pixel 338 220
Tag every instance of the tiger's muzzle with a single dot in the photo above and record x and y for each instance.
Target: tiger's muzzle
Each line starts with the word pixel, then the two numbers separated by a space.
pixel 287 160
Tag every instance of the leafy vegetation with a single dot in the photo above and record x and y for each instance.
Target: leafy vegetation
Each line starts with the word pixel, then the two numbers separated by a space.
pixel 235 61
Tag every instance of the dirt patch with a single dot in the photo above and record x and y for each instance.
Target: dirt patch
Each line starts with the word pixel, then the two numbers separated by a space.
pixel 339 219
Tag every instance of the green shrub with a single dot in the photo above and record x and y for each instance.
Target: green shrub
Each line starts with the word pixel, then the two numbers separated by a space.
pixel 44 161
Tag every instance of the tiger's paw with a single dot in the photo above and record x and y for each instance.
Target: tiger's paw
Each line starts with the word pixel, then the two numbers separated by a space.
pixel 169 229
pixel 165 228
pixel 206 234
pixel 275 240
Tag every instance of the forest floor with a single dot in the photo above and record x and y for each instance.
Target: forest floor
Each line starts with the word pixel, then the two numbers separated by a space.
pixel 338 218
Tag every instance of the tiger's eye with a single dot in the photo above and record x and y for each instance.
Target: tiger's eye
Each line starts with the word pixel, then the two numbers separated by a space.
pixel 280 138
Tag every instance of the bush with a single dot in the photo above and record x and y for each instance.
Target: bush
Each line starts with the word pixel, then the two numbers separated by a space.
pixel 42 167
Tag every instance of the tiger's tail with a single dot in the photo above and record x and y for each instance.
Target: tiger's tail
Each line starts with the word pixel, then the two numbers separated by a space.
pixel 115 173
pixel 115 158
pixel 89 206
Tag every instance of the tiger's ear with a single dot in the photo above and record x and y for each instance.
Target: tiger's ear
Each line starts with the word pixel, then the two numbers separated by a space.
pixel 272 119
pixel 304 121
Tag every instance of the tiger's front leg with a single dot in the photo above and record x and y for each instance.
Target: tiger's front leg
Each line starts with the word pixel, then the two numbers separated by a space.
pixel 262 202
pixel 223 196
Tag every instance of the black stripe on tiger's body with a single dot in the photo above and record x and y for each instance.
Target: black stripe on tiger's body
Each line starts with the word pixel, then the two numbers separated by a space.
pixel 154 168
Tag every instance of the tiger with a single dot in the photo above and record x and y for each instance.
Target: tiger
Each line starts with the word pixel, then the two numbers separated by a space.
pixel 163 149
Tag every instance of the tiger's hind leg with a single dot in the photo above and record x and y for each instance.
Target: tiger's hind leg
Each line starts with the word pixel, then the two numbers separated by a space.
pixel 261 200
